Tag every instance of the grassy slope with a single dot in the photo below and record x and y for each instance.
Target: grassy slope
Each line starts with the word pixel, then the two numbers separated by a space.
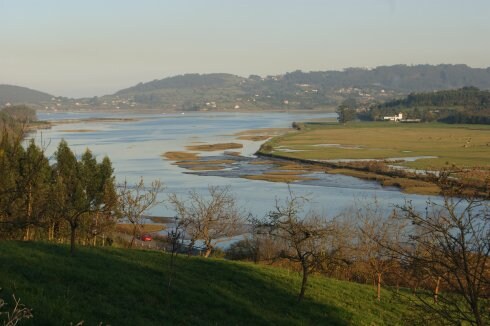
pixel 128 287
pixel 463 145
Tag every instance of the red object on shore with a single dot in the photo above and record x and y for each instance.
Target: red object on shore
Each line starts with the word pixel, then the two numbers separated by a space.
pixel 146 237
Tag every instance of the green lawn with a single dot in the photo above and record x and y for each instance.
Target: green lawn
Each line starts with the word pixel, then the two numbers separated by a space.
pixel 128 287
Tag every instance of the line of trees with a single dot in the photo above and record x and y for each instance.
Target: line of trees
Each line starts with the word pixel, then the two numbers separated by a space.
pixel 464 105
pixel 71 198
pixel 439 256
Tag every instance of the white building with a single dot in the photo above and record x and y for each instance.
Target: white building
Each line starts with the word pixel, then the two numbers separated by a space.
pixel 394 118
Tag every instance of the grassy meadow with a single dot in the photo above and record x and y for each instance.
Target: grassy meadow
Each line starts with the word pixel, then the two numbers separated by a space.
pixel 129 287
pixel 460 145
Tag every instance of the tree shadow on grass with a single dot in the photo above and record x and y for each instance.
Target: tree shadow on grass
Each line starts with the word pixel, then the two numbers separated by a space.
pixel 251 295
pixel 129 287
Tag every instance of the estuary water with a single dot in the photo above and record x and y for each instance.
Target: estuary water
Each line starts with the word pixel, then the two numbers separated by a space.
pixel 135 147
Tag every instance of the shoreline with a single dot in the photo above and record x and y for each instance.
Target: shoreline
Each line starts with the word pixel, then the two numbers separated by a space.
pixel 393 178
pixel 172 111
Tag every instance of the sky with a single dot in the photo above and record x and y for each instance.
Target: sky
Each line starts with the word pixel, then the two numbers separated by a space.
pixel 81 48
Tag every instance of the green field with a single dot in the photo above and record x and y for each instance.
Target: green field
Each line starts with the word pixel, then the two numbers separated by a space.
pixel 128 287
pixel 460 145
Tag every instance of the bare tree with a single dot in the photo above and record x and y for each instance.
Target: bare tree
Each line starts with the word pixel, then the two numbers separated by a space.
pixel 377 233
pixel 213 219
pixel 135 201
pixel 450 243
pixel 308 240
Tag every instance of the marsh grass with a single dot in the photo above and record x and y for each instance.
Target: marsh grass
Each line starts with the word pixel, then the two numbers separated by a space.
pixel 177 156
pixel 460 145
pixel 463 149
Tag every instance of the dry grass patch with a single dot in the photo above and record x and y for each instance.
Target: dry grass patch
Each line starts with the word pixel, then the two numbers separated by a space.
pixel 410 186
pixel 161 219
pixel 214 147
pixel 178 156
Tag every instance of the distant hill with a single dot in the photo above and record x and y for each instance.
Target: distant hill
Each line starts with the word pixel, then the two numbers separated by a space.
pixel 187 81
pixel 188 92
pixel 21 95
pixel 295 90
pixel 298 90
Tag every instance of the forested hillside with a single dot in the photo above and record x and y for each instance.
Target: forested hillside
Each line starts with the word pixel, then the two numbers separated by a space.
pixel 464 105
pixel 21 95
pixel 298 90
pixel 295 90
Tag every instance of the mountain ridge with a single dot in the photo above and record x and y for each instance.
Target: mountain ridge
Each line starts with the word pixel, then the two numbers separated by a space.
pixel 295 90
pixel 21 95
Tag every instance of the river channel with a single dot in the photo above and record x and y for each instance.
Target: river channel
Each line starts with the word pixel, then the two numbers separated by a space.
pixel 135 147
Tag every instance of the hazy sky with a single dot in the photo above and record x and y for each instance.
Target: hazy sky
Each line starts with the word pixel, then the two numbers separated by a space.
pixel 95 47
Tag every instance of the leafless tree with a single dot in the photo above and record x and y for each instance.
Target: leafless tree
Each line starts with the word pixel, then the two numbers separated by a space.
pixel 451 244
pixel 135 201
pixel 308 240
pixel 213 219
pixel 376 234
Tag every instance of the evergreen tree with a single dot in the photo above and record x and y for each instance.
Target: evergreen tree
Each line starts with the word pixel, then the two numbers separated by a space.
pixel 34 185
pixel 72 200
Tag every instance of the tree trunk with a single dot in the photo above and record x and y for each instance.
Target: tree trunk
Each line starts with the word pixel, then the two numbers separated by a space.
pixel 28 234
pixel 379 287
pixel 209 248
pixel 190 247
pixel 207 252
pixel 73 228
pixel 303 284
pixel 29 213
pixel 436 290
pixel 96 230
pixel 476 313
pixel 133 238
pixel 51 232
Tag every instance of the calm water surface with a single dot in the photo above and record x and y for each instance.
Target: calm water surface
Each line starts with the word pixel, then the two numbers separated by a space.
pixel 135 149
